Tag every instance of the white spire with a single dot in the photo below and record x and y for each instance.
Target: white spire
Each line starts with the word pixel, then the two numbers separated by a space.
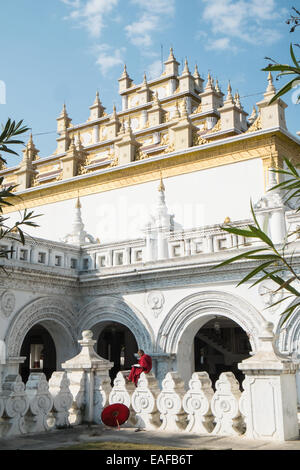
pixel 78 235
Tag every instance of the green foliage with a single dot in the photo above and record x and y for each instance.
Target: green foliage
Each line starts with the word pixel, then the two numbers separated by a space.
pixel 274 262
pixel 10 131
pixel 292 71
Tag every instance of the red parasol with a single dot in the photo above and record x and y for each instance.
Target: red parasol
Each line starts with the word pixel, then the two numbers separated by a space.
pixel 114 415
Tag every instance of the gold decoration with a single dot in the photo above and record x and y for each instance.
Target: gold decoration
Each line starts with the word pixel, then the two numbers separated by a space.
pixel 198 139
pixel 216 128
pixel 256 126
pixel 198 109
pixel 115 162
pixel 165 139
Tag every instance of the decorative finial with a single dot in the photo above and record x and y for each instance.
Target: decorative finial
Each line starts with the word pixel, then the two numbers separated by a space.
pixel 186 67
pixel 270 87
pixel 78 204
pixel 124 74
pixel 217 86
pixel 176 112
pixel 209 84
pixel 229 97
pixel 171 55
pixel 183 108
pixel 161 187
pixel 196 72
pixel 253 116
pixel 237 100
pixel 64 110
pixel 156 101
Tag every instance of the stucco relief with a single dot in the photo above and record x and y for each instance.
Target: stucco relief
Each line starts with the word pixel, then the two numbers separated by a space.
pixel 155 301
pixel 8 302
pixel 267 292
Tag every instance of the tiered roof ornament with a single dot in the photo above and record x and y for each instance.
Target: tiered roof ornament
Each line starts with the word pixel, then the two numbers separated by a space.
pixel 271 115
pixel 125 81
pixel 198 80
pixel 171 64
pixel 78 236
pixel 25 173
pixel 97 109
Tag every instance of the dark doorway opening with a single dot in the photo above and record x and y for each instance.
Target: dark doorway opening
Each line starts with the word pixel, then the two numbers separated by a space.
pixel 219 346
pixel 117 344
pixel 39 349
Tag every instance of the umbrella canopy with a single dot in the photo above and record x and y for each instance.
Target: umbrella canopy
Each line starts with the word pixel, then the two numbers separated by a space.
pixel 114 415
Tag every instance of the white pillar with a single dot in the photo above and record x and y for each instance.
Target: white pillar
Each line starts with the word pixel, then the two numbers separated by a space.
pixel 269 400
pixel 278 225
pixel 96 371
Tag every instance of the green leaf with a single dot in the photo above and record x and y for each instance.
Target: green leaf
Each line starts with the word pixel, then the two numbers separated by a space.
pixel 254 272
pixel 293 56
pixel 288 312
pixel 238 231
pixel 291 167
pixel 281 281
pixel 260 234
pixel 285 89
pixel 253 215
pixel 236 258
pixel 266 276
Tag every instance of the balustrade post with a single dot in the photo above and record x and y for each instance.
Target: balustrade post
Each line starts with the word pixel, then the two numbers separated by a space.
pixel 122 392
pixel 225 406
pixel 144 402
pixel 16 405
pixel 197 403
pixel 62 399
pixel 40 402
pixel 92 371
pixel 269 400
pixel 169 403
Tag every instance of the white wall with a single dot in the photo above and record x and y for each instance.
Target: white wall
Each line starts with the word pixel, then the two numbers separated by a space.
pixel 200 198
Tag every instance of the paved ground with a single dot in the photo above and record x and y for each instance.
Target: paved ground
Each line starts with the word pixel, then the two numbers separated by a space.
pixel 53 440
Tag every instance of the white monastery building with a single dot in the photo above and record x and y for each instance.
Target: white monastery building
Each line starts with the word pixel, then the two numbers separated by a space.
pixel 133 202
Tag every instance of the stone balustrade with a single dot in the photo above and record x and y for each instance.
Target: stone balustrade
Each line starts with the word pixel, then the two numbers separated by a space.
pixel 60 256
pixel 80 394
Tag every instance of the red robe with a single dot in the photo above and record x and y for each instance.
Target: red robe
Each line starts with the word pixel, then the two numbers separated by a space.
pixel 145 362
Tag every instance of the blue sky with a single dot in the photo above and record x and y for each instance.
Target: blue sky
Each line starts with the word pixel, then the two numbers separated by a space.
pixel 65 50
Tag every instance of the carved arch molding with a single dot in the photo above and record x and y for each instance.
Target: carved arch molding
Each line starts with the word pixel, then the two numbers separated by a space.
pixel 54 313
pixel 107 309
pixel 188 313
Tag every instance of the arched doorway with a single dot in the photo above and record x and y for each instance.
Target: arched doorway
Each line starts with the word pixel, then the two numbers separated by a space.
pixel 185 319
pixel 219 345
pixel 39 349
pixel 117 343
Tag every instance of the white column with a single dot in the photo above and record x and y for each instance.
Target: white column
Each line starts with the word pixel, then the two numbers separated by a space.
pixel 278 225
pixel 269 400
pixel 96 371
pixel 124 102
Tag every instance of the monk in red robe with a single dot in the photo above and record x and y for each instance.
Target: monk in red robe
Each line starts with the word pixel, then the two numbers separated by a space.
pixel 144 365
